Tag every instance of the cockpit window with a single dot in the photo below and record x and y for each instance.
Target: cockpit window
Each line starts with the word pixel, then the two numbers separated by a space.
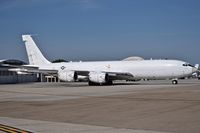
pixel 187 64
pixel 190 65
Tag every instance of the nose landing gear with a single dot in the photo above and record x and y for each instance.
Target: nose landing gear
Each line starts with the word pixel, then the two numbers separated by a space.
pixel 174 81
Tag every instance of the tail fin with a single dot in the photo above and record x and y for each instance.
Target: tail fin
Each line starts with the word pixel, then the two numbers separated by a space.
pixel 35 56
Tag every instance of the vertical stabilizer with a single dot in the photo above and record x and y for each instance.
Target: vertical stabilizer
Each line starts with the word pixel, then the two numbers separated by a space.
pixel 35 56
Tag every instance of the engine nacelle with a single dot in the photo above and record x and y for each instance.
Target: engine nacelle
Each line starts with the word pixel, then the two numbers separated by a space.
pixel 98 77
pixel 67 75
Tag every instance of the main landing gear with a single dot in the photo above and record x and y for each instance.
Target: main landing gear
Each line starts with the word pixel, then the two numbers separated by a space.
pixel 90 83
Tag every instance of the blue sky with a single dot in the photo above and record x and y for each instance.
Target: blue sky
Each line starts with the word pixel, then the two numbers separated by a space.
pixel 102 29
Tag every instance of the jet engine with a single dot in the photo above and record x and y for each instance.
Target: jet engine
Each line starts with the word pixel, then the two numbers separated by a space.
pixel 98 77
pixel 67 75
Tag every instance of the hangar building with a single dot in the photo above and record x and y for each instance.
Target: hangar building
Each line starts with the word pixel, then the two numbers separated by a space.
pixel 7 76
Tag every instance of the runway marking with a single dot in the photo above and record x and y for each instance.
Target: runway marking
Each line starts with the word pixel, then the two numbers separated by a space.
pixel 9 129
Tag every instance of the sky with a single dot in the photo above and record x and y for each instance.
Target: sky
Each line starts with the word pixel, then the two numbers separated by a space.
pixel 90 30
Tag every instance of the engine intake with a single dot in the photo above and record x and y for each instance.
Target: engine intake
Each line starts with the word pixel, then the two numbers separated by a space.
pixel 67 75
pixel 98 77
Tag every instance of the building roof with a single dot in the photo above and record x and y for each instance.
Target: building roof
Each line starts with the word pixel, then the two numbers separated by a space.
pixel 12 62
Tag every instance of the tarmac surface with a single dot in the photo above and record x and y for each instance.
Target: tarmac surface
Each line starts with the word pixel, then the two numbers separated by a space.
pixel 132 107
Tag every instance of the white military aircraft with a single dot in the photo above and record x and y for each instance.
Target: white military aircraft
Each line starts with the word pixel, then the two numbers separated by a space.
pixel 104 72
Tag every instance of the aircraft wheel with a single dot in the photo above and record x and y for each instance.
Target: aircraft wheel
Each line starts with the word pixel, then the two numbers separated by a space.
pixel 110 82
pixel 90 83
pixel 174 82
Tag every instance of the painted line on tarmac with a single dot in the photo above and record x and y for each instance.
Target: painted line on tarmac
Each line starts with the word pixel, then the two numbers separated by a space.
pixel 9 129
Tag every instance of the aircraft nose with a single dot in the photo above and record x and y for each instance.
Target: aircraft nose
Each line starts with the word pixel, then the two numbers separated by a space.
pixel 194 69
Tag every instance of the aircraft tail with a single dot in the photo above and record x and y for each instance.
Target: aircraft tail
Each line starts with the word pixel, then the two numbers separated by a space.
pixel 35 56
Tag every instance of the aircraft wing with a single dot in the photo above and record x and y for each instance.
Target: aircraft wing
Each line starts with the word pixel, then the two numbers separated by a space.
pixel 34 69
pixel 19 66
pixel 120 75
pixel 113 75
pixel 1 61
pixel 29 69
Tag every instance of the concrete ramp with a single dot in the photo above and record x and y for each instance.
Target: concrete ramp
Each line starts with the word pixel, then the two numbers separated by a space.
pixel 58 127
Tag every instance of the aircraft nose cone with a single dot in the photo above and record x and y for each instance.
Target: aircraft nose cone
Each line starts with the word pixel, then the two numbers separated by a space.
pixel 194 69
